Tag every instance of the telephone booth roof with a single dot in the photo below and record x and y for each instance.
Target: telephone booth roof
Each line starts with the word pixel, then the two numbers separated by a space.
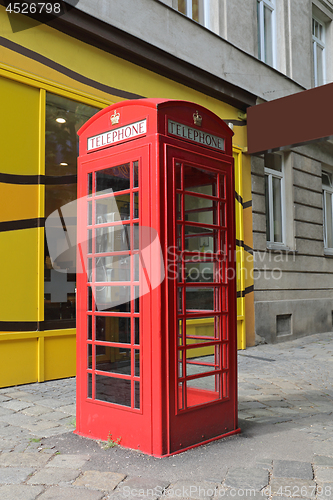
pixel 156 112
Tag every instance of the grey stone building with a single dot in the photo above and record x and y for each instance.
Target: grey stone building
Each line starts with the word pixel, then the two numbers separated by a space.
pixel 269 49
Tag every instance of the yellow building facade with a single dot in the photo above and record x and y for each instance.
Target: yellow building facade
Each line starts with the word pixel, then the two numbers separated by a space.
pixel 42 70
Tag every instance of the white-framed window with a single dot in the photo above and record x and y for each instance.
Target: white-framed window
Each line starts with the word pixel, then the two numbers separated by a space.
pixel 198 10
pixel 318 43
pixel 327 180
pixel 274 195
pixel 266 31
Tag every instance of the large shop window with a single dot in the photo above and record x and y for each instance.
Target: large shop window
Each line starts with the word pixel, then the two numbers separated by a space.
pixel 327 179
pixel 198 10
pixel 318 42
pixel 274 199
pixel 266 31
pixel 64 117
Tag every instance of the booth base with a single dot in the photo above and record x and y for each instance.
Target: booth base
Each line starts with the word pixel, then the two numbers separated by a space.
pixel 196 445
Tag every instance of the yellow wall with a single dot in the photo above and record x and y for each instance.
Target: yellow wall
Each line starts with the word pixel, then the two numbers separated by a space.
pixel 24 79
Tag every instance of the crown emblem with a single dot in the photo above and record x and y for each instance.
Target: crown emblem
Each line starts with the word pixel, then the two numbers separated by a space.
pixel 115 118
pixel 197 119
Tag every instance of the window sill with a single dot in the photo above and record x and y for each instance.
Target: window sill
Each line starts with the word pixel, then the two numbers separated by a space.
pixel 328 252
pixel 271 247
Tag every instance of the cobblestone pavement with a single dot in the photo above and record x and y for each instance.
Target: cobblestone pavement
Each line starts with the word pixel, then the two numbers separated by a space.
pixel 285 449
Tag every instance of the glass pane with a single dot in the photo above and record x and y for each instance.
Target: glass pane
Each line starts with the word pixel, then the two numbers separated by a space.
pixel 180 364
pixel 326 178
pixel 199 181
pixel 268 34
pixel 113 179
pixel 198 299
pixel 197 355
pixel 90 187
pixel 182 6
pixel 114 268
pixel 137 330
pixel 113 239
pixel 89 385
pixel 277 210
pixel 135 205
pixel 90 241
pixel 200 272
pixel 89 329
pixel 267 202
pixel 113 298
pixel 180 300
pixel 195 10
pixel 137 394
pixel 181 396
pixel 137 362
pixel 137 299
pixel 273 161
pixel 178 175
pixel 89 356
pixel 63 118
pixel 199 239
pixel 136 260
pixel 112 209
pixel 113 329
pixel 320 65
pixel 200 210
pixel 89 270
pixel 113 390
pixel 260 55
pixel 89 213
pixel 203 390
pixel 136 236
pixel 89 299
pixel 180 333
pixel 113 359
pixel 135 174
pixel 328 220
pixel 202 330
pixel 223 220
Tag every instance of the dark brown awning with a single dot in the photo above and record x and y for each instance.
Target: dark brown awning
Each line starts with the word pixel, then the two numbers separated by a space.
pixel 292 120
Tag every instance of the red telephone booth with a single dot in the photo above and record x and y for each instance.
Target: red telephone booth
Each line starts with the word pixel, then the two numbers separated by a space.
pixel 156 325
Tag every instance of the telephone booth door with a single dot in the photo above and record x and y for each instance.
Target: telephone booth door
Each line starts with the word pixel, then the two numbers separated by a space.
pixel 111 320
pixel 203 405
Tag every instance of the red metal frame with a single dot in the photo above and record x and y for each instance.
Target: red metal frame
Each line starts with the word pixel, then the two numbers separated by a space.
pixel 160 426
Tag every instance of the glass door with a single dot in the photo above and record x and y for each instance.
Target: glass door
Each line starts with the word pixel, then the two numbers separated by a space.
pixel 112 333
pixel 201 343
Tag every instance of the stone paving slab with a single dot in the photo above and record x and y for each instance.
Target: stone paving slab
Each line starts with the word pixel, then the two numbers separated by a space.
pixel 324 475
pixel 23 459
pixel 68 493
pixel 139 487
pixel 323 461
pixel 20 492
pixel 15 475
pixel 106 481
pixel 54 476
pixel 293 487
pixel 16 405
pixel 69 461
pixel 239 494
pixel 292 469
pixel 191 489
pixel 241 478
pixel 325 491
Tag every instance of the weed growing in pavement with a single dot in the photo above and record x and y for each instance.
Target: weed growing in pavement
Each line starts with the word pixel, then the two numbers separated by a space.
pixel 35 440
pixel 111 443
